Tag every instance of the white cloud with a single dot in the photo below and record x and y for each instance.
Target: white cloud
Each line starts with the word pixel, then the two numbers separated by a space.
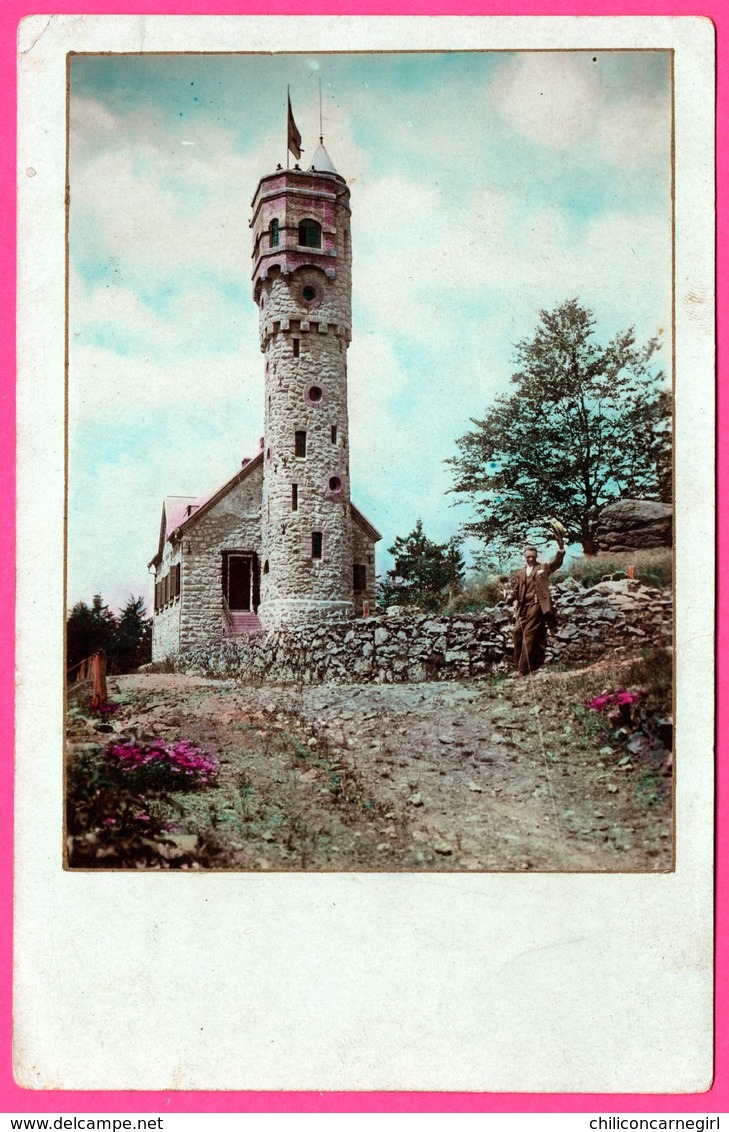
pixel 559 101
pixel 152 207
pixel 638 131
pixel 548 98
pixel 106 387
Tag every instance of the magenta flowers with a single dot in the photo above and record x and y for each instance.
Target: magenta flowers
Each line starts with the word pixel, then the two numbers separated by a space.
pixel 181 760
pixel 105 708
pixel 619 699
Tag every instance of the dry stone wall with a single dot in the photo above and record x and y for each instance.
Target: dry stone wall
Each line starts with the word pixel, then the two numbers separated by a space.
pixel 402 646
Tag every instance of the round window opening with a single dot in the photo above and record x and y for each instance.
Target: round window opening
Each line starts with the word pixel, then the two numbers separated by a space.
pixel 335 484
pixel 309 294
pixel 315 394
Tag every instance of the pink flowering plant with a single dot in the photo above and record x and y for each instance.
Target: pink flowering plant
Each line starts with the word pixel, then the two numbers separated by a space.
pixel 121 804
pixel 619 698
pixel 618 706
pixel 105 708
pixel 647 734
pixel 161 765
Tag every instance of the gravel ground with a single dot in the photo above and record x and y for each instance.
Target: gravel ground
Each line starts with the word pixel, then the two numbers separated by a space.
pixel 486 775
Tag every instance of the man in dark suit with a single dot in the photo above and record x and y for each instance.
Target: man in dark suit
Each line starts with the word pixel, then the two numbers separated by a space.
pixel 533 606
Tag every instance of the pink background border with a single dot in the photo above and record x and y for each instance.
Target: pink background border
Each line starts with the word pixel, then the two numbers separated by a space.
pixel 15 1099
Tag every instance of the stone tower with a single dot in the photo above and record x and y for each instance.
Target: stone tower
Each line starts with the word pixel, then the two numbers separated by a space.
pixel 302 287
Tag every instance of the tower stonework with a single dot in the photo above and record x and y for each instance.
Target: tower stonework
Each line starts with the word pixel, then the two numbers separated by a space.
pixel 302 287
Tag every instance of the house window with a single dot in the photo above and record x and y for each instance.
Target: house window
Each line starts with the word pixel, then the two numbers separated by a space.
pixel 295 345
pixel 176 570
pixel 299 443
pixel 309 234
pixel 334 434
pixel 316 544
pixel 294 497
pixel 359 578
pixel 273 234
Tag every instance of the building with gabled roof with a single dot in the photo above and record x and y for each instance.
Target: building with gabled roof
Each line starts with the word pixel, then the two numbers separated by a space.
pixel 280 543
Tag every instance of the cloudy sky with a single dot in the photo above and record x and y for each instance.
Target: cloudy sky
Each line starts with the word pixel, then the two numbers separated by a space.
pixel 485 187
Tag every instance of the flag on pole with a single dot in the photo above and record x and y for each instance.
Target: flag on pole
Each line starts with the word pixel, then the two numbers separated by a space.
pixel 294 137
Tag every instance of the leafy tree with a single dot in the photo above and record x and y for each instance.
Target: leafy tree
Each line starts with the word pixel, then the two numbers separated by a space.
pixel 88 629
pixel 132 644
pixel 498 557
pixel 127 640
pixel 426 573
pixel 587 424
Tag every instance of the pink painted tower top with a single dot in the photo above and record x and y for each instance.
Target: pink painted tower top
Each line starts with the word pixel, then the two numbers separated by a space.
pixel 296 217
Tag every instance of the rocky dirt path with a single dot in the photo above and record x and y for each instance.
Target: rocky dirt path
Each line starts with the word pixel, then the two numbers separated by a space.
pixel 498 776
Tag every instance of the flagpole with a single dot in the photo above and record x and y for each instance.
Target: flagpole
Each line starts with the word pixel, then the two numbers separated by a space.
pixel 288 103
pixel 321 129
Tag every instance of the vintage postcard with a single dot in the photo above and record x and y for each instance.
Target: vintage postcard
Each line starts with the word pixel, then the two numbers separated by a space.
pixel 371 366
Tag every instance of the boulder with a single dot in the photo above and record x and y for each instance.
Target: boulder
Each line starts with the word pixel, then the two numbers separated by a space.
pixel 635 524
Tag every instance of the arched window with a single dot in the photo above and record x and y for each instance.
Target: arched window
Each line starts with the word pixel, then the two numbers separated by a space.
pixel 309 234
pixel 273 233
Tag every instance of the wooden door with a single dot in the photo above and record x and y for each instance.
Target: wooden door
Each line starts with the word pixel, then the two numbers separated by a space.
pixel 239 582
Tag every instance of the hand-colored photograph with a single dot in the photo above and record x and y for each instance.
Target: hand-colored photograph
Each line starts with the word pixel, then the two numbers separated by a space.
pixel 369 524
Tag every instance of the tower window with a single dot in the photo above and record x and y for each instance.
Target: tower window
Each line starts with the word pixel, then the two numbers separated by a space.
pixel 295 345
pixel 335 484
pixel 294 497
pixel 273 233
pixel 334 434
pixel 309 234
pixel 315 394
pixel 299 443
pixel 265 567
pixel 359 578
pixel 316 544
pixel 309 294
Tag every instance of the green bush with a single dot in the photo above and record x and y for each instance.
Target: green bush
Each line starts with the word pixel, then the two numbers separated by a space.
pixel 654 673
pixel 482 591
pixel 652 567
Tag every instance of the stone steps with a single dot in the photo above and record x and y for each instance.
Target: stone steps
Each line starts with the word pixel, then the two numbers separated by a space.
pixel 241 624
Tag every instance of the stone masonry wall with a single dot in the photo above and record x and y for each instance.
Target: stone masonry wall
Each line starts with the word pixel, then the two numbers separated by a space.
pixel 363 552
pixel 405 646
pixel 303 296
pixel 234 523
pixel 287 533
pixel 166 631
pixel 166 622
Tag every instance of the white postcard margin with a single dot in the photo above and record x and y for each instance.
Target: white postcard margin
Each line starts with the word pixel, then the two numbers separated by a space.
pixel 530 983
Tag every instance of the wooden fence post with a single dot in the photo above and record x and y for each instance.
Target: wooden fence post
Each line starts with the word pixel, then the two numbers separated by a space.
pixel 98 675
